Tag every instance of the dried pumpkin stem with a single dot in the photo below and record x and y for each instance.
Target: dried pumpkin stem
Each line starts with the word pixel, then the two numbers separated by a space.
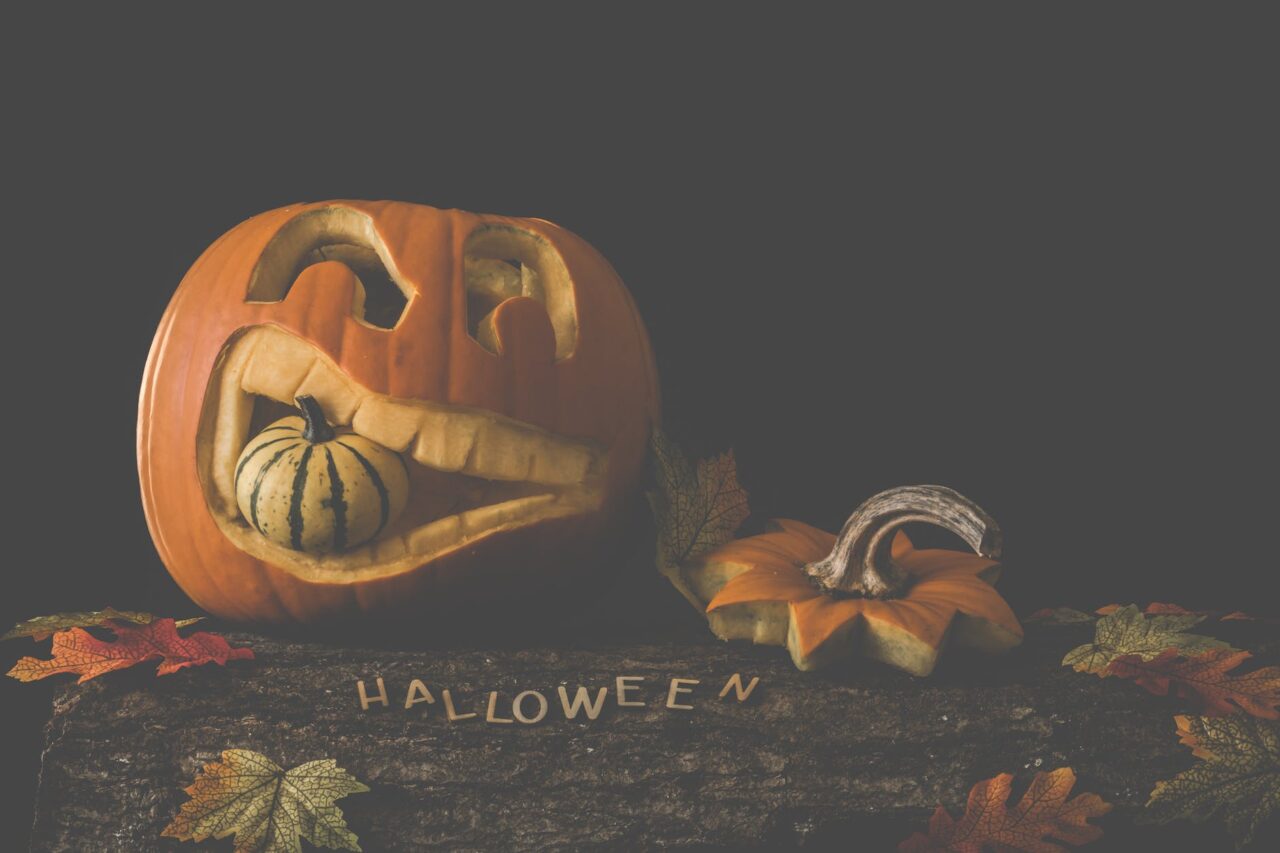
pixel 317 428
pixel 861 562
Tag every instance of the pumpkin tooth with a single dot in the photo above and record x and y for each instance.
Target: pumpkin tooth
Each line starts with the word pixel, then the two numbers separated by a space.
pixel 389 424
pixel 389 548
pixel 446 440
pixel 435 536
pixel 231 427
pixel 559 464
pixel 334 392
pixel 278 366
pixel 485 518
pixel 501 453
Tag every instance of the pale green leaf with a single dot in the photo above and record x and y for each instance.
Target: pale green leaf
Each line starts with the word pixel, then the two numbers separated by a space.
pixel 1128 632
pixel 268 809
pixel 1239 776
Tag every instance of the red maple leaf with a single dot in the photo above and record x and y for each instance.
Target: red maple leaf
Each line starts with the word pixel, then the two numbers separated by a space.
pixel 1207 679
pixel 1043 812
pixel 78 652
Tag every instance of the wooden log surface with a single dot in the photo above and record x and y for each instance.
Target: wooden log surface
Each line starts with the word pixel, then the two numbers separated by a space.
pixel 855 758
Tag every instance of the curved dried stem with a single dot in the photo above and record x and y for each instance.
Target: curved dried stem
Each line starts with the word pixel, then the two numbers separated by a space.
pixel 861 563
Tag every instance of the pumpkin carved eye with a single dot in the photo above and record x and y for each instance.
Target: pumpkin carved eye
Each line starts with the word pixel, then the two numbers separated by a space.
pixel 333 234
pixel 503 262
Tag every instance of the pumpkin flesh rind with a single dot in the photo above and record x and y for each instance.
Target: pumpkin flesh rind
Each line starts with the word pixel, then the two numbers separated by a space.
pixel 949 598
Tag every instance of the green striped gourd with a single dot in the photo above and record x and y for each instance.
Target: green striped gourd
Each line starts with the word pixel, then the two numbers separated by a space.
pixel 306 487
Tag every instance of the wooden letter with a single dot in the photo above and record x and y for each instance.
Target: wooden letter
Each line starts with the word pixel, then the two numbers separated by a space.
pixel 453 715
pixel 366 700
pixel 735 683
pixel 623 687
pixel 542 707
pixel 582 699
pixel 676 688
pixel 492 716
pixel 422 694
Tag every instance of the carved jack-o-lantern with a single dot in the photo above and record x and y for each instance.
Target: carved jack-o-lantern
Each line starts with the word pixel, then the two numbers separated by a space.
pixel 503 359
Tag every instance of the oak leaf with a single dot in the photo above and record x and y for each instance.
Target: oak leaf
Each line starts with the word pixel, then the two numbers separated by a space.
pixel 78 652
pixel 268 808
pixel 1044 812
pixel 1240 615
pixel 1128 632
pixel 41 627
pixel 1060 616
pixel 1156 608
pixel 1159 607
pixel 695 507
pixel 1238 776
pixel 1206 678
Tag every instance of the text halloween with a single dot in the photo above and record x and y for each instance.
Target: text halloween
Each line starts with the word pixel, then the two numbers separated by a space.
pixel 532 706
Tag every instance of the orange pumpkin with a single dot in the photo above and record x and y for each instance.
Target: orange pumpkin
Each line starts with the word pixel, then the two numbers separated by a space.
pixel 502 358
pixel 866 591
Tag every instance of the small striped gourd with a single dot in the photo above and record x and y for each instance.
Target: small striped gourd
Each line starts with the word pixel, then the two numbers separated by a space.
pixel 302 485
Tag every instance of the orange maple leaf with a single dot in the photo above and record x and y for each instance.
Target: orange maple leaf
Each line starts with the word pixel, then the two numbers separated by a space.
pixel 1206 678
pixel 78 652
pixel 1043 812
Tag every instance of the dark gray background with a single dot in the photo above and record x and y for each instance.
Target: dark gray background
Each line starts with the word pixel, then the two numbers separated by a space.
pixel 1021 255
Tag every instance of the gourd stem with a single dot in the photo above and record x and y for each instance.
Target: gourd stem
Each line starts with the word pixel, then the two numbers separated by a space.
pixel 861 562
pixel 317 428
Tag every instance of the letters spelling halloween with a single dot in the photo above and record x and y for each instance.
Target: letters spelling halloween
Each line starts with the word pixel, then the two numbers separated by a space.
pixel 534 706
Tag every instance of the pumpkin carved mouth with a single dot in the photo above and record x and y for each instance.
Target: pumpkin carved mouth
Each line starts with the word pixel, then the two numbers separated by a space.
pixel 472 473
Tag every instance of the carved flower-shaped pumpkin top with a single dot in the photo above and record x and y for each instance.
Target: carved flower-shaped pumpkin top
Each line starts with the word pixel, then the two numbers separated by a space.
pixel 771 588
pixel 941 583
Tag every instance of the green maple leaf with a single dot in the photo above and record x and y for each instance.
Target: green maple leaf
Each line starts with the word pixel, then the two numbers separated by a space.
pixel 42 626
pixel 696 507
pixel 269 809
pixel 1128 632
pixel 1239 776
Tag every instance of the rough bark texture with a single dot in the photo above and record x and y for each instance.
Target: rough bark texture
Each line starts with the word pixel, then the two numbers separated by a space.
pixel 855 758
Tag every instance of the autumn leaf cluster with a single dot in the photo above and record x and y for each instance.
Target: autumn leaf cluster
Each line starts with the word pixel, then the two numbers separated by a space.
pixel 136 637
pixel 1159 653
pixel 1236 737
